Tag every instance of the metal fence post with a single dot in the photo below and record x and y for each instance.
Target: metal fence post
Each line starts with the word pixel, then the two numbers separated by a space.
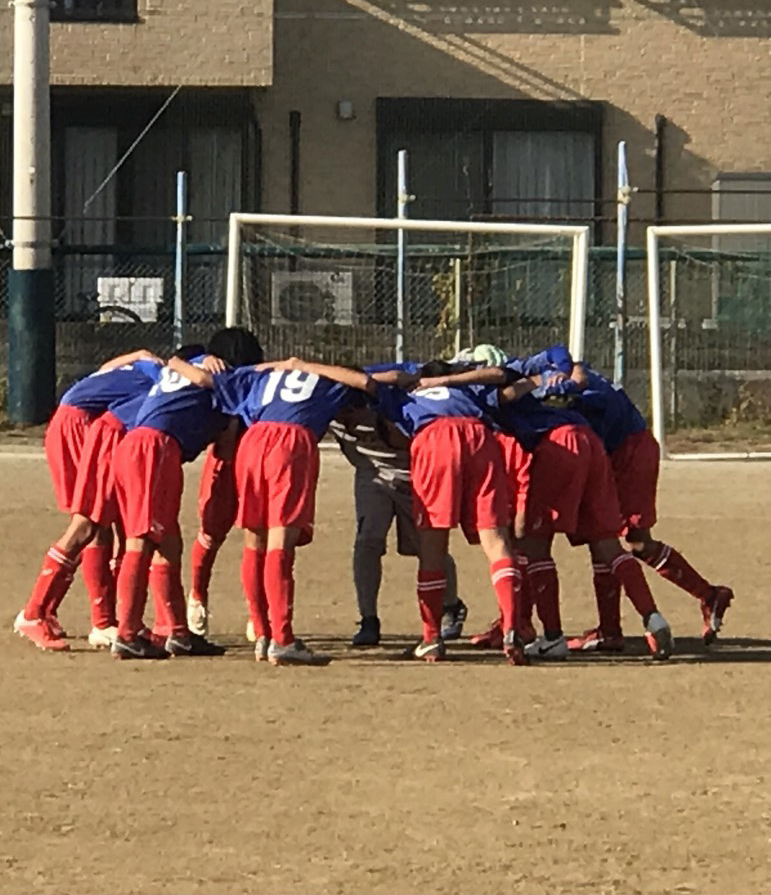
pixel 180 259
pixel 402 200
pixel 622 223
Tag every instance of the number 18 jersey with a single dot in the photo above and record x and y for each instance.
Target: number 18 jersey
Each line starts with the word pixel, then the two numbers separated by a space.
pixel 280 396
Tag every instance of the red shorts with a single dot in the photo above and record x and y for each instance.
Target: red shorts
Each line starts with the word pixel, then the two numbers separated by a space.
pixel 148 483
pixel 94 494
pixel 217 496
pixel 571 487
pixel 458 477
pixel 64 440
pixel 635 465
pixel 277 469
pixel 517 462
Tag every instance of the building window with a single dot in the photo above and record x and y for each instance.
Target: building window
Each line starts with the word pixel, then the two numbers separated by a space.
pixel 94 11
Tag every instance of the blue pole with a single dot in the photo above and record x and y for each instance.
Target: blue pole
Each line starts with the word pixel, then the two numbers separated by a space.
pixel 180 259
pixel 622 224
pixel 402 198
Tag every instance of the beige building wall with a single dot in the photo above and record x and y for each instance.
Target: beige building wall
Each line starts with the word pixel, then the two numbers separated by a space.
pixel 710 77
pixel 216 43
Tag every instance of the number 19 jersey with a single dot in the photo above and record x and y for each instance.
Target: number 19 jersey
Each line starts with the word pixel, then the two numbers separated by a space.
pixel 280 396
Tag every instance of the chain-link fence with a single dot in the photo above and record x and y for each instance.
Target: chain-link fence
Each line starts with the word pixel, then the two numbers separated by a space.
pixel 335 298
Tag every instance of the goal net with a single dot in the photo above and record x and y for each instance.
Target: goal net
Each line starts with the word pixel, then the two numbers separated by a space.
pixel 359 290
pixel 709 315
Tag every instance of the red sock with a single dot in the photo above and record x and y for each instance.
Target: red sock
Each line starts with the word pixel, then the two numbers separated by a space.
pixel 545 587
pixel 168 599
pixel 52 584
pixel 279 591
pixel 675 568
pixel 100 584
pixel 525 602
pixel 627 570
pixel 607 591
pixel 253 583
pixel 132 592
pixel 203 554
pixel 507 581
pixel 431 590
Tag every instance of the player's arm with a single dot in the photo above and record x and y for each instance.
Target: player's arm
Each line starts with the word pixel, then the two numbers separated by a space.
pixel 477 376
pixel 131 358
pixel 580 375
pixel 399 378
pixel 351 378
pixel 197 375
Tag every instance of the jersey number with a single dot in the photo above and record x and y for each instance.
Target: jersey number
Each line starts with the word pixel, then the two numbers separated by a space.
pixel 438 393
pixel 170 381
pixel 295 385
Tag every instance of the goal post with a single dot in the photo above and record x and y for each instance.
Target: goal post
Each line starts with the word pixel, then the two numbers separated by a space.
pixel 740 268
pixel 288 248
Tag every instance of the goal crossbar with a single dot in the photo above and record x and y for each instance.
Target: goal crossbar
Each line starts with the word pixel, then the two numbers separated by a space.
pixel 578 234
pixel 653 236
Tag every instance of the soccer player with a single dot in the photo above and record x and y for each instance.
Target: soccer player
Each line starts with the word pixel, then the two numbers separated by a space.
pixel 634 456
pixel 175 423
pixel 458 478
pixel 380 456
pixel 564 484
pixel 287 407
pixel 81 462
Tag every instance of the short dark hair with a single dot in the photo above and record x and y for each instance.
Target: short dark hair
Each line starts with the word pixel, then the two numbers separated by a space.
pixel 188 352
pixel 443 368
pixel 237 346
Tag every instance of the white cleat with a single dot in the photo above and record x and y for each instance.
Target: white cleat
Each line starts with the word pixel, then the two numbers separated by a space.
pixel 261 649
pixel 102 638
pixel 296 653
pixel 250 635
pixel 197 616
pixel 548 650
pixel 658 635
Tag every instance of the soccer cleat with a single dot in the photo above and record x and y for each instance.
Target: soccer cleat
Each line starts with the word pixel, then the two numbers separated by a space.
pixel 250 635
pixel 429 650
pixel 368 633
pixel 197 616
pixel 55 627
pixel 527 632
pixel 103 638
pixel 138 648
pixel 491 639
pixel 453 619
pixel 39 631
pixel 192 645
pixel 595 641
pixel 548 650
pixel 713 610
pixel 295 653
pixel 261 649
pixel 658 636
pixel 514 649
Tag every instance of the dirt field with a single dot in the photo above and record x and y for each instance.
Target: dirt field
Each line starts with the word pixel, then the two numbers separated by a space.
pixel 377 775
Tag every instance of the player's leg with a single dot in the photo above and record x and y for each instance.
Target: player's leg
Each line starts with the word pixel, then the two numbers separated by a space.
pixel 217 507
pixel 607 636
pixel 432 586
pixel 253 585
pixel 99 578
pixel 374 507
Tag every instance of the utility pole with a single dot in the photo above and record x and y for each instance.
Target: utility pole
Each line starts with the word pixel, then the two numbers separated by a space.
pixel 31 326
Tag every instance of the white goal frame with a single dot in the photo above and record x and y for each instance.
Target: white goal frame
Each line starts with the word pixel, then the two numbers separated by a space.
pixel 653 236
pixel 578 234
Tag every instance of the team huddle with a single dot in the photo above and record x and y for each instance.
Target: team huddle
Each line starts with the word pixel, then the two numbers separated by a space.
pixel 512 450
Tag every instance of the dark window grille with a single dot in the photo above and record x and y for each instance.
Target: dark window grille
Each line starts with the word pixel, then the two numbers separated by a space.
pixel 94 11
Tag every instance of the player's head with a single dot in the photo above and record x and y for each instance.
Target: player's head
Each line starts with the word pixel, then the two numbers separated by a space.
pixel 489 355
pixel 188 352
pixel 236 346
pixel 443 368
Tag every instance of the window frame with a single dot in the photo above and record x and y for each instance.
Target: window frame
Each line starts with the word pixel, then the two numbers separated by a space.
pixel 112 15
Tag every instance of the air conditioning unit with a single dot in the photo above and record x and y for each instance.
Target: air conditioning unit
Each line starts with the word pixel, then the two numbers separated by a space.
pixel 125 299
pixel 319 297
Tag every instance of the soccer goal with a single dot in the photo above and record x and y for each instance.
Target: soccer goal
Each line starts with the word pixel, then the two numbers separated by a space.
pixel 359 290
pixel 709 316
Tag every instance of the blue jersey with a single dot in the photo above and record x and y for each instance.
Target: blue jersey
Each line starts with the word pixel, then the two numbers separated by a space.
pixel 557 358
pixel 528 420
pixel 607 409
pixel 413 411
pixel 113 389
pixel 281 396
pixel 182 410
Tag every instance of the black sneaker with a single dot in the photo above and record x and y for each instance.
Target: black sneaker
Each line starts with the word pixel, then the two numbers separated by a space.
pixel 192 645
pixel 368 633
pixel 138 648
pixel 453 619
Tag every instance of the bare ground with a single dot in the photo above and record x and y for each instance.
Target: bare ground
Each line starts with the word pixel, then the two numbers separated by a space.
pixel 377 775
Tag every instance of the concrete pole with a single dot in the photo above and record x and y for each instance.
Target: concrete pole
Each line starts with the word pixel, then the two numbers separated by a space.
pixel 31 328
